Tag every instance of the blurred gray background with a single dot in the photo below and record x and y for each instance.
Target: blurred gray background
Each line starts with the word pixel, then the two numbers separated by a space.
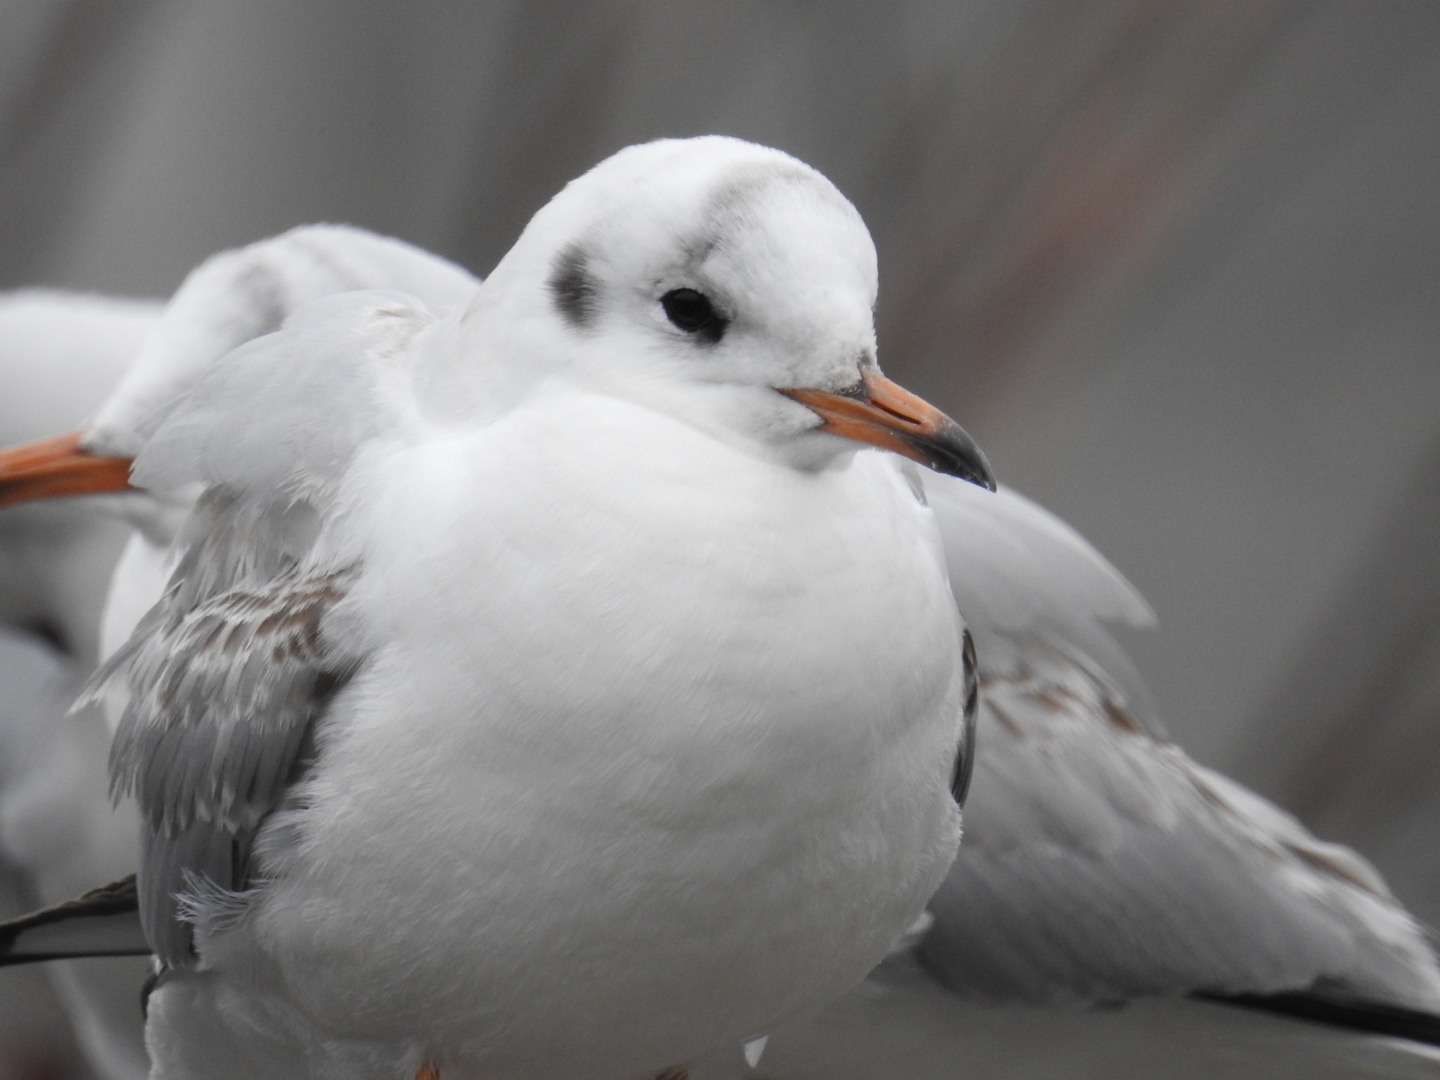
pixel 1176 265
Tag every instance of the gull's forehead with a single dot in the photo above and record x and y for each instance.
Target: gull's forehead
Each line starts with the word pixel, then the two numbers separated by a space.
pixel 772 212
pixel 795 209
pixel 685 201
pixel 788 230
pixel 744 196
pixel 768 238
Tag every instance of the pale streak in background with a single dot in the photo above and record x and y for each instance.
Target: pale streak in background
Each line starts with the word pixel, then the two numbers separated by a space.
pixel 1176 266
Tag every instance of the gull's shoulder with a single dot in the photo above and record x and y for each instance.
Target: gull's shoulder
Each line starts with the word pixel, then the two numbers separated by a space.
pixel 245 293
pixel 284 413
pixel 1016 569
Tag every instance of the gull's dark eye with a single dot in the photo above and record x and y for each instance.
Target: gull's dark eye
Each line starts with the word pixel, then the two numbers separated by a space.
pixel 691 311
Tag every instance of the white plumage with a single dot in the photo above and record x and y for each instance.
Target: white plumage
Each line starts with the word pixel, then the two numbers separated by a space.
pixel 1099 862
pixel 637 698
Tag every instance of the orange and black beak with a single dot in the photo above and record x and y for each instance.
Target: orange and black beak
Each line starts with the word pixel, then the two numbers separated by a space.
pixel 885 414
pixel 58 467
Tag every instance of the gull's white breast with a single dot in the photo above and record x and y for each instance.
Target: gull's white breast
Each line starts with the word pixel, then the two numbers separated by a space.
pixel 662 731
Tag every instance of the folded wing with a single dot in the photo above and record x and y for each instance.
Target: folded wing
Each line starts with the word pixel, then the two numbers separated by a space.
pixel 226 678
pixel 1099 861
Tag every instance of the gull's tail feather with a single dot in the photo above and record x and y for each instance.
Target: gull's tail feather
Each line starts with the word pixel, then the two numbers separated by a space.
pixel 1353 1014
pixel 103 922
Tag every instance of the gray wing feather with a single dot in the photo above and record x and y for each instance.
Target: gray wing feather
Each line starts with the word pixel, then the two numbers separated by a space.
pixel 1099 861
pixel 100 923
pixel 965 752
pixel 224 679
pixel 222 701
pixel 1017 569
pixel 219 699
pixel 172 863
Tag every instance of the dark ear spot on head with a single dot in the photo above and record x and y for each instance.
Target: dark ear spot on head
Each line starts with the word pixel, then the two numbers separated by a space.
pixel 572 287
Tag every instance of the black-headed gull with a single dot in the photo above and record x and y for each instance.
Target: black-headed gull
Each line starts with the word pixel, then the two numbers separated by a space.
pixel 550 687
pixel 62 356
pixel 1099 863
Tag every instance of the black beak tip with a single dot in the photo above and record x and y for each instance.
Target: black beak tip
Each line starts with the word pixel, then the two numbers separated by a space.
pixel 954 453
pixel 976 471
pixel 981 477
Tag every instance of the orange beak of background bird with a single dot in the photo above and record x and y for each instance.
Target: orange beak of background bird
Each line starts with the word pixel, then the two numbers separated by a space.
pixel 885 414
pixel 57 467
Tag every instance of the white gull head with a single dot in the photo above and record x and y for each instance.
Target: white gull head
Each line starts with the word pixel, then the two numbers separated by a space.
pixel 699 277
